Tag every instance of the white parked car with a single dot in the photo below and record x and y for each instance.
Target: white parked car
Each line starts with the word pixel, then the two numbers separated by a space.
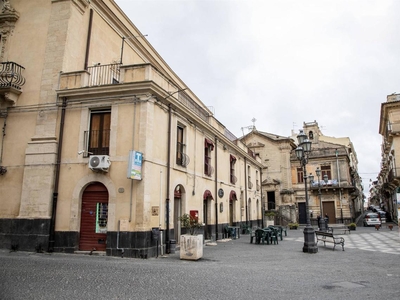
pixel 371 219
pixel 382 215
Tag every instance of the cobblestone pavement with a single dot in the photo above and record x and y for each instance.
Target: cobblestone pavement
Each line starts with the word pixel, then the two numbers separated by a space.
pixel 369 268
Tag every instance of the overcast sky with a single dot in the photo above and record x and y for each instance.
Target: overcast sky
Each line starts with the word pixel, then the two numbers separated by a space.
pixel 283 62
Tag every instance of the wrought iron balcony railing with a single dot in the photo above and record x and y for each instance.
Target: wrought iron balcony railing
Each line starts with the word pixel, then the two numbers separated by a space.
pixel 208 169
pixel 250 184
pixel 233 179
pixel 182 159
pixel 11 75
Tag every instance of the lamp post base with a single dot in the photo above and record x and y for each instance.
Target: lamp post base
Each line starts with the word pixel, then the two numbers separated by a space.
pixel 310 246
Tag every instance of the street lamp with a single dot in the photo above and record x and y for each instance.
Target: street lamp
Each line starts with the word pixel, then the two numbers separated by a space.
pixel 302 152
pixel 321 224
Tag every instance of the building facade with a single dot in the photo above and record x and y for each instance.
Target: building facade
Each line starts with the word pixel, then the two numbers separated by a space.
pixel 103 145
pixel 340 195
pixel 385 189
pixel 277 186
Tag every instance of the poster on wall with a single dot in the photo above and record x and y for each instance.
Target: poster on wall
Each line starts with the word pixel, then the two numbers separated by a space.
pixel 135 165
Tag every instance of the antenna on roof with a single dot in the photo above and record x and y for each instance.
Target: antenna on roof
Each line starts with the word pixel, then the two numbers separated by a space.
pixel 250 127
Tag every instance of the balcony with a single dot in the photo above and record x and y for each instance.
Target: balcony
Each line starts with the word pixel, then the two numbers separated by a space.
pixel 117 74
pixel 393 178
pixel 11 81
pixel 233 179
pixel 182 159
pixel 208 169
pixel 249 184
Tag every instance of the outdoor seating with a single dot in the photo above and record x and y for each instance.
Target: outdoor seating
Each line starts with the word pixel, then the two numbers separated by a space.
pixel 283 229
pixel 245 228
pixel 230 232
pixel 262 236
pixel 273 235
pixel 328 237
pixel 277 230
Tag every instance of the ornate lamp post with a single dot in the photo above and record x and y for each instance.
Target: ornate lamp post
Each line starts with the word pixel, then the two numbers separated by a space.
pixel 302 152
pixel 321 224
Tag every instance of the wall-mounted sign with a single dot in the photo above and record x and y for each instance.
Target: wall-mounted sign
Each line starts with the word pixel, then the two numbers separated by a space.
pixel 135 165
pixel 155 210
pixel 220 193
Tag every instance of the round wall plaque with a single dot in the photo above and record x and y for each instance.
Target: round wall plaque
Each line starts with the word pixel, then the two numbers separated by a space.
pixel 220 193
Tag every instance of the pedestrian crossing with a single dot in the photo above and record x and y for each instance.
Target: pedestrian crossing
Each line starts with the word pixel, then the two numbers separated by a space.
pixel 378 241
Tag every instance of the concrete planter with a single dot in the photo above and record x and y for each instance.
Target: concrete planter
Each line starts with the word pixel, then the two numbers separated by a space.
pixel 191 247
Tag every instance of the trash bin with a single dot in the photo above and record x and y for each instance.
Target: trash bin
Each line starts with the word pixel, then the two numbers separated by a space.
pixel 172 246
pixel 326 220
pixel 155 233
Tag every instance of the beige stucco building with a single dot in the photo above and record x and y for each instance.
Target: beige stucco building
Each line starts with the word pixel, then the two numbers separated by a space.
pixel 103 144
pixel 384 191
pixel 274 151
pixel 341 195
pixel 283 177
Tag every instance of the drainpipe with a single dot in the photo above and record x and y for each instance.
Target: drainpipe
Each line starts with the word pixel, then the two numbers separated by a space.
pixel 88 39
pixel 261 197
pixel 216 189
pixel 57 179
pixel 168 248
pixel 245 188
pixel 3 170
pixel 340 191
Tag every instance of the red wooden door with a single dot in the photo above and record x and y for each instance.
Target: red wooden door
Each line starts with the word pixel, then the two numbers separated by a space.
pixel 93 233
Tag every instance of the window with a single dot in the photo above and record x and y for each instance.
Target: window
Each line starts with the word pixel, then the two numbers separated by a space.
pixel 233 178
pixel 300 176
pixel 181 157
pixel 250 184
pixel 326 170
pixel 208 148
pixel 99 134
pixel 311 135
pixel 257 182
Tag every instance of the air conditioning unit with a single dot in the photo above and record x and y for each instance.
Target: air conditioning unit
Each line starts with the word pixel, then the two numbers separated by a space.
pixel 99 163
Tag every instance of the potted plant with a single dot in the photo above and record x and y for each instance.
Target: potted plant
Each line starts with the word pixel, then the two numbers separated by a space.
pixel 352 226
pixel 191 245
pixel 293 225
pixel 270 215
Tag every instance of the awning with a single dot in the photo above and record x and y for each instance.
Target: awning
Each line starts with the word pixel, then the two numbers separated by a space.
pixel 232 196
pixel 233 159
pixel 207 195
pixel 209 144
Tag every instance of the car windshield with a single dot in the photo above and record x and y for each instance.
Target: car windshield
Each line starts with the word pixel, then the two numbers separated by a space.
pixel 372 215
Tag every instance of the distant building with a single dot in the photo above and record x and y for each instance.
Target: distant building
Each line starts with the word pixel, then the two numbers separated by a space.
pixel 387 186
pixel 277 186
pixel 342 194
pixel 283 179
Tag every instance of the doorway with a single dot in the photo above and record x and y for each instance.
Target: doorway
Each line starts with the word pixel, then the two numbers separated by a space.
pixel 271 200
pixel 177 212
pixel 302 213
pixel 329 208
pixel 207 197
pixel 94 218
